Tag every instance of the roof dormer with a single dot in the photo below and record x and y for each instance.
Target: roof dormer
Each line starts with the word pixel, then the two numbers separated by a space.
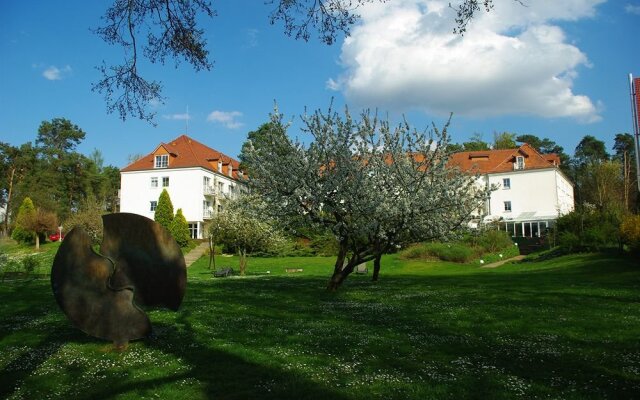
pixel 161 157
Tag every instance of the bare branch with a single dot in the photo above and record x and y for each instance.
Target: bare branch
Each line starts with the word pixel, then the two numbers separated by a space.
pixel 171 31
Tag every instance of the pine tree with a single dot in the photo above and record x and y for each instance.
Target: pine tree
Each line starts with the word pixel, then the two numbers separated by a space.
pixel 180 229
pixel 164 210
pixel 26 213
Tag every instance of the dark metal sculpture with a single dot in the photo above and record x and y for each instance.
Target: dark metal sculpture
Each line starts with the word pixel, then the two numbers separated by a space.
pixel 140 264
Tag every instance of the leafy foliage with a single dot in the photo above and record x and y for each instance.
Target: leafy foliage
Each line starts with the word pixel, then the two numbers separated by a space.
pixel 88 218
pixel 242 228
pixel 625 154
pixel 504 140
pixel 180 229
pixel 630 232
pixel 41 223
pixel 53 174
pixel 164 210
pixel 588 229
pixel 476 143
pixel 59 136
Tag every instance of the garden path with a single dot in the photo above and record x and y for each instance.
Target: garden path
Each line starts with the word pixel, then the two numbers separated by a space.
pixel 499 263
pixel 195 254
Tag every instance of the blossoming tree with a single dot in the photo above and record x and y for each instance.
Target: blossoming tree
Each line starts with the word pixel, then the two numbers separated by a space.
pixel 375 187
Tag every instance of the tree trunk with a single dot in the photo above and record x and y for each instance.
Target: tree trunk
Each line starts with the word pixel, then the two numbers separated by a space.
pixel 338 270
pixel 376 267
pixel 243 261
pixel 212 250
pixel 8 205
pixel 342 271
pixel 339 276
pixel 342 254
pixel 37 241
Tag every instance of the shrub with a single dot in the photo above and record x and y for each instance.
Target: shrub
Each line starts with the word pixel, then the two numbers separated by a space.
pixel 89 219
pixel 492 240
pixel 630 232
pixel 179 229
pixel 164 210
pixel 455 252
pixel 569 241
pixel 23 236
pixel 30 264
pixel 26 213
pixel 471 247
pixel 418 251
pixel 588 230
pixel 452 252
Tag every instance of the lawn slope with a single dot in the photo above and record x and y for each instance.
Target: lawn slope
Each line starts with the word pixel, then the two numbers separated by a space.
pixel 563 328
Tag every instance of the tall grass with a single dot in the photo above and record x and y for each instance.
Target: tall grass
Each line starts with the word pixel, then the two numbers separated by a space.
pixel 484 245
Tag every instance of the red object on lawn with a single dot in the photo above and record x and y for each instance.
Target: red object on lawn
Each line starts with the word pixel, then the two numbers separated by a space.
pixel 55 237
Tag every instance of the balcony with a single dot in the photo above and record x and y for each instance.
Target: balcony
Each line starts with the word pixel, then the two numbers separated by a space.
pixel 207 214
pixel 209 190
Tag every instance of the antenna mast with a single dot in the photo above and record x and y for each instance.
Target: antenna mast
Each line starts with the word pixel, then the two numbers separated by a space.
pixel 634 86
pixel 186 128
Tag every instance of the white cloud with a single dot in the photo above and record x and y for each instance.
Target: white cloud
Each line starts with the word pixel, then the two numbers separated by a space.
pixel 178 117
pixel 226 118
pixel 252 37
pixel 632 9
pixel 54 73
pixel 512 60
pixel 333 85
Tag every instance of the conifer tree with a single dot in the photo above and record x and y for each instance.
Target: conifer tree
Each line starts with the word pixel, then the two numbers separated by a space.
pixel 164 210
pixel 26 213
pixel 180 229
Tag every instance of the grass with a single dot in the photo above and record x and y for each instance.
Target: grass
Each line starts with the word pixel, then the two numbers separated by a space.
pixel 565 328
pixel 16 253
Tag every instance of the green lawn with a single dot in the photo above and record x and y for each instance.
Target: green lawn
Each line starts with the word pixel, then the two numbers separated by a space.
pixel 567 328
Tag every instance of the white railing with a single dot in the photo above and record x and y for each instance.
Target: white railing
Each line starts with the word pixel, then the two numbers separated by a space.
pixel 209 191
pixel 207 214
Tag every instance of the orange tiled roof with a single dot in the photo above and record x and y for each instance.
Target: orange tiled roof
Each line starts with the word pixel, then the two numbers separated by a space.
pixel 185 152
pixel 494 161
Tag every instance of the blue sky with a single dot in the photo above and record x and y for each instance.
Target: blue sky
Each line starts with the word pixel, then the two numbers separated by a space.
pixel 557 71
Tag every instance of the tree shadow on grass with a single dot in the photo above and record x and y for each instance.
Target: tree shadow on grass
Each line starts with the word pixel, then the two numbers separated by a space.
pixel 232 376
pixel 530 327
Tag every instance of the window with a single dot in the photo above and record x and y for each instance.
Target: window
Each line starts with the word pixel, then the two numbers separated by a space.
pixel 219 166
pixel 519 163
pixel 154 205
pixel 165 181
pixel 162 161
pixel 154 182
pixel 220 187
pixel 219 208
pixel 193 230
pixel 507 206
pixel 506 183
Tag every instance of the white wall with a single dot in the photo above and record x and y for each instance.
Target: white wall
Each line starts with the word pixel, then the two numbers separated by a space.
pixel 545 192
pixel 185 189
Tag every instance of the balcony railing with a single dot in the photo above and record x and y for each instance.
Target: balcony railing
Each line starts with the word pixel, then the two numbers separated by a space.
pixel 209 191
pixel 208 214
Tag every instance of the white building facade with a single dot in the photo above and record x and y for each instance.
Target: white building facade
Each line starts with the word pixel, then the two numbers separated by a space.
pixel 532 191
pixel 198 179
